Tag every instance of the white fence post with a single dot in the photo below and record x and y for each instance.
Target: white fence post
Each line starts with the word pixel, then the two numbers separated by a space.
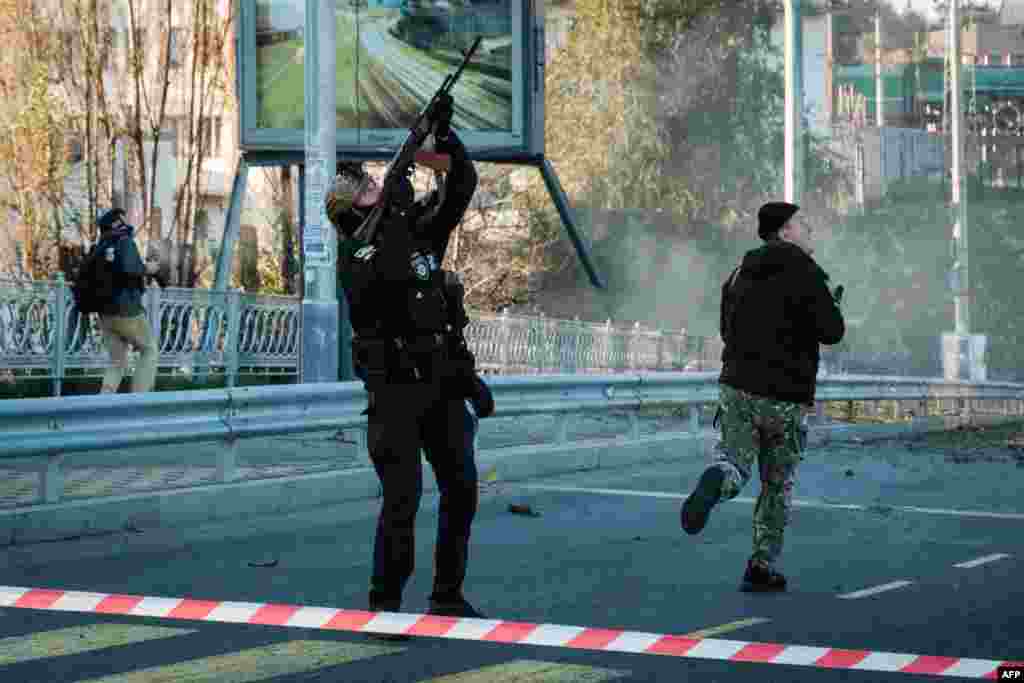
pixel 233 337
pixel 504 342
pixel 633 351
pixel 152 306
pixel 59 328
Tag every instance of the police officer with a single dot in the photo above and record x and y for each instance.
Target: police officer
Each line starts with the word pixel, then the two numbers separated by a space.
pixel 776 309
pixel 408 319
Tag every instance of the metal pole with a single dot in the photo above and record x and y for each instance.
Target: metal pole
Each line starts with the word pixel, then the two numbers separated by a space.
pixel 879 89
pixel 232 222
pixel 320 315
pixel 565 212
pixel 794 101
pixel 961 297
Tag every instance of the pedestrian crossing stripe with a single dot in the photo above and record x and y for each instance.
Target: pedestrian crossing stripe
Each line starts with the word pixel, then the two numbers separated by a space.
pixel 490 630
pixel 78 640
pixel 529 671
pixel 263 663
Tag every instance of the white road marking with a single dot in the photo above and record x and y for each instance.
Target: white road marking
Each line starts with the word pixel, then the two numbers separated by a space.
pixel 796 503
pixel 981 560
pixel 874 590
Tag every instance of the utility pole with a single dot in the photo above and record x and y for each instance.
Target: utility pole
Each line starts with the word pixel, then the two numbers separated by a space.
pixel 961 345
pixel 794 58
pixel 320 315
pixel 879 89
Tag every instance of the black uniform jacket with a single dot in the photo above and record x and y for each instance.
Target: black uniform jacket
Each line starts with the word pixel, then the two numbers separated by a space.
pixel 394 286
pixel 773 316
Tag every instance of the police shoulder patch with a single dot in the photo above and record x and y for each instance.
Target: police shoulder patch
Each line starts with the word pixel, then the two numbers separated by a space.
pixel 365 253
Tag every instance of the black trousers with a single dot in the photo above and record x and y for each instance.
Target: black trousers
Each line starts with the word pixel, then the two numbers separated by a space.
pixel 404 419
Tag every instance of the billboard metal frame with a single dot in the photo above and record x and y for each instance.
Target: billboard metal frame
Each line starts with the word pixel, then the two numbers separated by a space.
pixel 528 108
pixel 284 152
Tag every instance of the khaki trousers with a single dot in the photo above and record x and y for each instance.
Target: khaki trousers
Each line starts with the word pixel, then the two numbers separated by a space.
pixel 120 333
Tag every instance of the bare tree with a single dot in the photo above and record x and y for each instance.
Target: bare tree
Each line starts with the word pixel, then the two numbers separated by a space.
pixel 34 140
pixel 206 95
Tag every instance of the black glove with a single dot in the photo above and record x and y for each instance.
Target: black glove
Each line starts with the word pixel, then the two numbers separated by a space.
pixel 442 116
pixel 481 398
pixel 838 294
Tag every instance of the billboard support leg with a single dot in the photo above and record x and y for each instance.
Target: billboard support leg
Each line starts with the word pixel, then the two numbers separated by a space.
pixel 565 212
pixel 225 260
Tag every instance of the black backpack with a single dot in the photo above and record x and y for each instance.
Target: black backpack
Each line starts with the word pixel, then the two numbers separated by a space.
pixel 92 287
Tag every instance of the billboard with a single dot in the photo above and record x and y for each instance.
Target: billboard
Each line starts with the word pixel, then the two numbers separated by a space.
pixel 391 57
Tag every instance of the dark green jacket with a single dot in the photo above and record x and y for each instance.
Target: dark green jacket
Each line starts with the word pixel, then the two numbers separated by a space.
pixel 773 318
pixel 128 282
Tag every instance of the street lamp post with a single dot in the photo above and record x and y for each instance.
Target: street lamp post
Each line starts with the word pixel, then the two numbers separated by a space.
pixel 794 77
pixel 960 347
pixel 320 314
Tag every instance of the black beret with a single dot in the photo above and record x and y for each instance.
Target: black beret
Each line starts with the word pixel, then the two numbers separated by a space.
pixel 773 215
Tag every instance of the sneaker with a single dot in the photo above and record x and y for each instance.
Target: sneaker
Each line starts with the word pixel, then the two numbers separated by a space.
pixel 453 607
pixel 390 637
pixel 695 510
pixel 761 578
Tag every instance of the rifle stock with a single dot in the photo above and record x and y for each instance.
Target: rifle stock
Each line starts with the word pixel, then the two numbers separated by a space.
pixel 405 156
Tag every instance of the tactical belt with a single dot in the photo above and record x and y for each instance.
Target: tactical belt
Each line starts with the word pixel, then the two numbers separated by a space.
pixel 424 343
pixel 415 356
pixel 421 343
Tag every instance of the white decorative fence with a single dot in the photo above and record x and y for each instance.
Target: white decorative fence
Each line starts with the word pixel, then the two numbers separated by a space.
pixel 232 334
pixel 42 333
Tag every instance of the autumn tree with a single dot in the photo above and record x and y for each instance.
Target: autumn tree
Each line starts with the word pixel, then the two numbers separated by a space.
pixel 34 148
pixel 100 75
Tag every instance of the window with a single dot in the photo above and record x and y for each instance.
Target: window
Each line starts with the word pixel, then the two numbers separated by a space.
pixel 171 132
pixel 177 47
pixel 210 130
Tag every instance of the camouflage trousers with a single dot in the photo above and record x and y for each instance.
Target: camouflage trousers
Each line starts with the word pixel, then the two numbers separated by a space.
pixel 768 431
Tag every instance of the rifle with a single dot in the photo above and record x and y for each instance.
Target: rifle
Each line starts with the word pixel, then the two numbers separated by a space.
pixel 406 154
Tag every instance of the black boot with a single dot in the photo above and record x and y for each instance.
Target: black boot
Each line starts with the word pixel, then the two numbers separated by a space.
pixel 387 606
pixel 453 606
pixel 695 510
pixel 760 578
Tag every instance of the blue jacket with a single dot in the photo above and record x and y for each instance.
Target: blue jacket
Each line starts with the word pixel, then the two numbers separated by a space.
pixel 118 249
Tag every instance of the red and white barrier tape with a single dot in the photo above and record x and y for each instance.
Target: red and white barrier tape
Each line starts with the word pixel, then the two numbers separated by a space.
pixel 516 633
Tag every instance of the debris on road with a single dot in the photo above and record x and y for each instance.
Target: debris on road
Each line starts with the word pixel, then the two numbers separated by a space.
pixel 526 510
pixel 263 563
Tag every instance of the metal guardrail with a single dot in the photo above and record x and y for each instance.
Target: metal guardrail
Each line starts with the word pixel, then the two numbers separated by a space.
pixel 54 428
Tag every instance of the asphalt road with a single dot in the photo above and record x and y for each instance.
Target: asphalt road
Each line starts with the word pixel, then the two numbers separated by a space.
pixel 605 550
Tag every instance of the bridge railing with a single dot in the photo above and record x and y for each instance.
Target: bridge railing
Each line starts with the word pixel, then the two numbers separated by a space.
pixel 43 334
pixel 232 334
